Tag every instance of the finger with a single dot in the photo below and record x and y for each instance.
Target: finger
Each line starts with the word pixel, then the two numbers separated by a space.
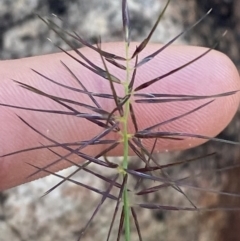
pixel 213 74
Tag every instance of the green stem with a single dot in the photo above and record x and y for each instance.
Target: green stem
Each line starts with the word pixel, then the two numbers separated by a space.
pixel 126 147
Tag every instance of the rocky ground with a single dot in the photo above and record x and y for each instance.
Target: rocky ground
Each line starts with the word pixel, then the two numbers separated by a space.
pixel 60 216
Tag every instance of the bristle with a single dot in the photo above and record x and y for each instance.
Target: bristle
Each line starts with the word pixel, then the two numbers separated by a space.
pixel 117 206
pixel 75 182
pixel 151 56
pixel 104 197
pixel 144 43
pixel 120 225
pixel 148 83
pixel 178 117
pixel 114 93
pixel 134 214
pixel 113 62
pixel 126 21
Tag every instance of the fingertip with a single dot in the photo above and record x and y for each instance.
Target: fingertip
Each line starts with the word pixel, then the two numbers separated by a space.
pixel 213 74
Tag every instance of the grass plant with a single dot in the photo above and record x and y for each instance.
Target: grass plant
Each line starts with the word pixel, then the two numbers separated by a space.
pixel 117 122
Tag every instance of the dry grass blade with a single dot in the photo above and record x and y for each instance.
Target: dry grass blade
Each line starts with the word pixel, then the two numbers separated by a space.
pixel 77 143
pixel 84 91
pixel 158 187
pixel 184 179
pixel 179 183
pixel 144 43
pixel 96 138
pixel 151 56
pixel 147 167
pixel 93 117
pixel 155 206
pixel 102 95
pixel 114 93
pixel 149 156
pixel 59 99
pixel 103 53
pixel 77 37
pixel 152 189
pixel 195 97
pixel 121 103
pixel 154 168
pixel 166 208
pixel 113 62
pixel 106 150
pixel 74 151
pixel 148 83
pixel 75 182
pixel 104 197
pixel 90 94
pixel 120 225
pixel 59 112
pixel 165 98
pixel 62 85
pixel 102 153
pixel 146 176
pixel 162 134
pixel 94 68
pixel 83 167
pixel 117 206
pixel 134 214
pixel 133 116
pixel 66 178
pixel 126 22
pixel 99 72
pixel 82 85
pixel 104 178
pixel 178 117
pixel 210 171
pixel 137 152
pixel 130 86
pixel 165 175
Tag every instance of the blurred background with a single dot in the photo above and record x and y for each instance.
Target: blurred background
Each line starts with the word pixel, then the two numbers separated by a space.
pixel 61 215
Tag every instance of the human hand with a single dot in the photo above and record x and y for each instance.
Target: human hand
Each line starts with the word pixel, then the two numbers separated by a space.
pixel 212 74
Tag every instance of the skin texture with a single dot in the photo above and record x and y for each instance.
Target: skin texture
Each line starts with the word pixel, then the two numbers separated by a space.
pixel 213 74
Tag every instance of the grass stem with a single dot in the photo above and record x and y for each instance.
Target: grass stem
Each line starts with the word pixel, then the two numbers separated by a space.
pixel 126 148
